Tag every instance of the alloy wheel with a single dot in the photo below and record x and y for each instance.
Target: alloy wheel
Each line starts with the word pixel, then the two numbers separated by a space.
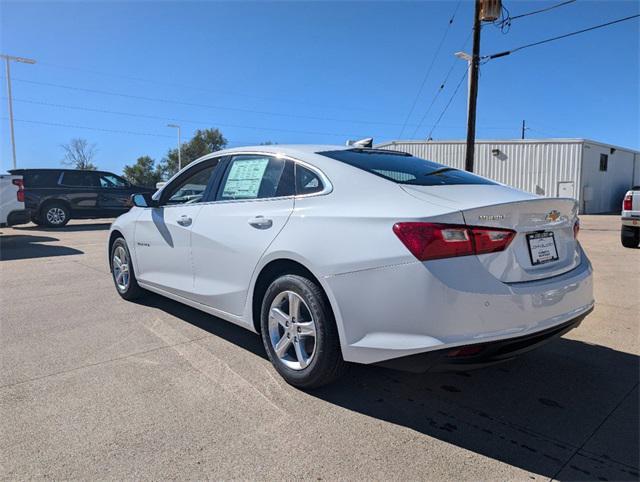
pixel 56 215
pixel 121 268
pixel 292 330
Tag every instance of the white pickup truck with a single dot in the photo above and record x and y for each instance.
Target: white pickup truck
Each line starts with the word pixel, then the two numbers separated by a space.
pixel 630 233
pixel 12 209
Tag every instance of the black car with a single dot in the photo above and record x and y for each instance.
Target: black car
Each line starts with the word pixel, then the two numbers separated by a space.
pixel 54 196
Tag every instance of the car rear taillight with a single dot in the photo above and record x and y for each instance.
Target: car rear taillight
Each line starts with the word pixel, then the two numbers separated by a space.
pixel 490 240
pixel 628 200
pixel 576 229
pixel 20 193
pixel 436 241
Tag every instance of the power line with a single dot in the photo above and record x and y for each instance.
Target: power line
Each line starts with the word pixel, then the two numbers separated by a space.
pixel 112 131
pixel 186 121
pixel 448 103
pixel 426 75
pixel 522 47
pixel 207 106
pixel 201 89
pixel 562 4
pixel 504 23
pixel 440 89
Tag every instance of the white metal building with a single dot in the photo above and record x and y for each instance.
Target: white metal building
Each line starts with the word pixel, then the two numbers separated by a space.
pixel 596 174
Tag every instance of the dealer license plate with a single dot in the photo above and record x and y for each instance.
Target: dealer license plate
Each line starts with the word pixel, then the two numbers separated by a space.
pixel 542 248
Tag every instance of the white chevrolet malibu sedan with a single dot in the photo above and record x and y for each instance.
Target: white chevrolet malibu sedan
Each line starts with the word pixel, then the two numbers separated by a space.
pixel 347 254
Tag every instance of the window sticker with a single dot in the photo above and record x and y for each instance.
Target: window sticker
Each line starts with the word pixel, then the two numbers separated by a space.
pixel 244 178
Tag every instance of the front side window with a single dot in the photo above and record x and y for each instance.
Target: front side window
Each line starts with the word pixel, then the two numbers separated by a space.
pixel 79 179
pixel 112 181
pixel 404 168
pixel 257 177
pixel 191 188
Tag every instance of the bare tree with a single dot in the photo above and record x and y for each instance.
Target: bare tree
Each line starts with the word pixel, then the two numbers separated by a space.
pixel 79 154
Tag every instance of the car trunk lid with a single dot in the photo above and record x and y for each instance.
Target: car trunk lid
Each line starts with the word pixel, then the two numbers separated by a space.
pixel 544 227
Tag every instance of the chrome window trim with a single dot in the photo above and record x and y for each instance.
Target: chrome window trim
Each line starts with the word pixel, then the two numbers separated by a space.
pixel 326 183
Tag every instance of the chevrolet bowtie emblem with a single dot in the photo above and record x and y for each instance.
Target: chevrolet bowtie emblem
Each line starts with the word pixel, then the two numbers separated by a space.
pixel 553 215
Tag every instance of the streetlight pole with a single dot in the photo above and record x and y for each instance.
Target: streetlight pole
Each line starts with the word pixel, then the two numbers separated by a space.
pixel 8 59
pixel 179 145
pixel 467 58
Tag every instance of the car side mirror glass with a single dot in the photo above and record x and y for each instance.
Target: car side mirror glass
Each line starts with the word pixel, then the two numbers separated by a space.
pixel 143 200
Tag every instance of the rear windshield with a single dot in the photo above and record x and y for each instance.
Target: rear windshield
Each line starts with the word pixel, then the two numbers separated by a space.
pixel 404 168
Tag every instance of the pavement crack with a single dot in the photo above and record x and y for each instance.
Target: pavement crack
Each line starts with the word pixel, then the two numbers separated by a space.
pixel 130 355
pixel 594 431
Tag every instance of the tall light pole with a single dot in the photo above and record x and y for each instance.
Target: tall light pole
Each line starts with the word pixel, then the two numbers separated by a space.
pixel 8 59
pixel 467 58
pixel 179 145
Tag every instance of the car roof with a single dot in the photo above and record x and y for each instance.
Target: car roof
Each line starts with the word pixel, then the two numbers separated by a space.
pixel 56 169
pixel 290 149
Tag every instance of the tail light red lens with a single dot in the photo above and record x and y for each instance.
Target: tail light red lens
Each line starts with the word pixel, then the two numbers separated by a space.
pixel 490 240
pixel 436 241
pixel 20 193
pixel 628 201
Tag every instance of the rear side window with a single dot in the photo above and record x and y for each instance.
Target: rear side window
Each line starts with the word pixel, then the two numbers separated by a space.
pixel 41 178
pixel 79 179
pixel 257 177
pixel 404 168
pixel 307 181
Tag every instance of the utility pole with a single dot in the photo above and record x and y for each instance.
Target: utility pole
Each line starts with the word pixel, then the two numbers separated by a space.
pixel 179 145
pixel 488 11
pixel 8 59
pixel 473 89
pixel 524 128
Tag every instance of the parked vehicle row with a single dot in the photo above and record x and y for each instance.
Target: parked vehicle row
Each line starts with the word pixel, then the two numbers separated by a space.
pixel 55 196
pixel 348 254
pixel 630 231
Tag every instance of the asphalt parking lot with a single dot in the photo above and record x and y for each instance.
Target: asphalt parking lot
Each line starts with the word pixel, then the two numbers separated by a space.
pixel 93 387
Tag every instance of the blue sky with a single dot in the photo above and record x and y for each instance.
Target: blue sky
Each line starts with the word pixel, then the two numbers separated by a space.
pixel 116 73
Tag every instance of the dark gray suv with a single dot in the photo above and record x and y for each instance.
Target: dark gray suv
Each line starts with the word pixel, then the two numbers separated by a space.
pixel 54 196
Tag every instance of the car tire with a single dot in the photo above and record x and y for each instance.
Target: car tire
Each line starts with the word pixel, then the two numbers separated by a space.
pixel 630 236
pixel 302 359
pixel 55 215
pixel 122 272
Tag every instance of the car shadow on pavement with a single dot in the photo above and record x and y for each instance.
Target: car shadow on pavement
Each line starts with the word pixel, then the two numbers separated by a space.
pixel 568 410
pixel 68 228
pixel 216 326
pixel 14 247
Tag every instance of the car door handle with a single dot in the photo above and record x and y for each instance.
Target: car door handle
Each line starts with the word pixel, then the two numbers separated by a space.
pixel 184 220
pixel 260 222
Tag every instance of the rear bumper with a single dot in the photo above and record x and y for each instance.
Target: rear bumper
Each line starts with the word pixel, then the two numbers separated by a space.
pixel 415 308
pixel 631 221
pixel 479 355
pixel 21 216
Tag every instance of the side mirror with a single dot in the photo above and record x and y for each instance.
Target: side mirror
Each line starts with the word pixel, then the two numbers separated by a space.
pixel 143 200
